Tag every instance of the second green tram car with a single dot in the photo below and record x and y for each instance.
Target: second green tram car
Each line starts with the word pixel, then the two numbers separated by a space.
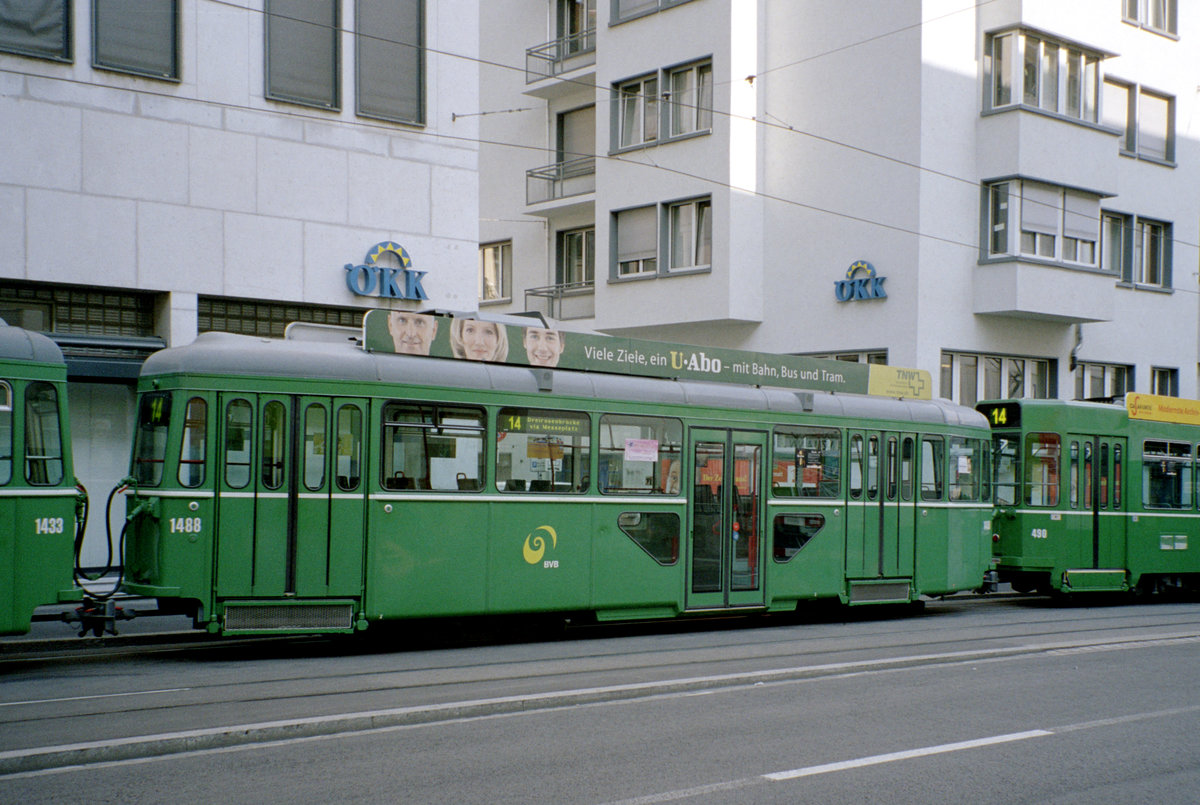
pixel 38 495
pixel 1090 499
pixel 295 487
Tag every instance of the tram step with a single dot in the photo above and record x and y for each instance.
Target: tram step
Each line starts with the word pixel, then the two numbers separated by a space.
pixel 299 616
pixel 885 591
pixel 1095 581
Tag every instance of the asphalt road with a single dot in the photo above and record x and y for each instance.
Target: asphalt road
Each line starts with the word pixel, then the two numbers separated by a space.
pixel 1011 700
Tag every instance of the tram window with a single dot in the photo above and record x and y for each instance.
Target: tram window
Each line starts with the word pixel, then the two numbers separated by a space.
pixel 965 469
pixel 1085 472
pixel 541 450
pixel 792 532
pixel 1042 471
pixel 428 446
pixel 873 468
pixel 239 427
pixel 1104 476
pixel 274 444
pixel 1006 460
pixel 656 533
pixel 150 440
pixel 6 434
pixel 349 448
pixel 933 467
pixel 639 455
pixel 856 467
pixel 1167 475
pixel 1074 473
pixel 906 469
pixel 892 467
pixel 1116 492
pixel 806 462
pixel 314 446
pixel 195 441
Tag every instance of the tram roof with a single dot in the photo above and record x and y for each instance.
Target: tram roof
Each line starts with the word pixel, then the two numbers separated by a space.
pixel 17 343
pixel 217 353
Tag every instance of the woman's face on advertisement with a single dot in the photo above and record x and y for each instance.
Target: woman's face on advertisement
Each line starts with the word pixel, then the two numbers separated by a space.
pixel 479 339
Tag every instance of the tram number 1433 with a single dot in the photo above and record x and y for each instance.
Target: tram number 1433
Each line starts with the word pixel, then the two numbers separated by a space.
pixel 48 525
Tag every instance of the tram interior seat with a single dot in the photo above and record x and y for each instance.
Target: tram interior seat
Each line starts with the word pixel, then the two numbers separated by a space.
pixel 399 481
pixel 466 484
pixel 514 485
pixel 539 485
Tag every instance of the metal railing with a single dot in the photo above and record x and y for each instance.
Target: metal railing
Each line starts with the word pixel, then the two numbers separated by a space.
pixel 560 55
pixel 569 300
pixel 573 177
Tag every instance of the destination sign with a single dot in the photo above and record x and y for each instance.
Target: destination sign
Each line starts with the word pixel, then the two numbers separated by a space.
pixel 1162 409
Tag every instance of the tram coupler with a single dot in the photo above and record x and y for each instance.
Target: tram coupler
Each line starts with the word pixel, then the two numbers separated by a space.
pixel 97 617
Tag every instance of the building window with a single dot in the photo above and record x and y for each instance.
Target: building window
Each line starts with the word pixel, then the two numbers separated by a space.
pixel 637 241
pixel 628 9
pixel 389 44
pixel 690 228
pixel 1116 245
pixel 690 99
pixel 1144 118
pixel 879 357
pixel 1040 73
pixel 144 41
pixel 577 25
pixel 267 319
pixel 1156 15
pixel 638 111
pixel 1102 381
pixel 992 377
pixel 495 272
pixel 1138 250
pixel 576 256
pixel 38 28
pixel 1164 381
pixel 302 52
pixel 1150 254
pixel 1056 224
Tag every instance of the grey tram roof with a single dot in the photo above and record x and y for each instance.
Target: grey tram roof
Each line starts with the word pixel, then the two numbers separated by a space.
pixel 17 343
pixel 229 354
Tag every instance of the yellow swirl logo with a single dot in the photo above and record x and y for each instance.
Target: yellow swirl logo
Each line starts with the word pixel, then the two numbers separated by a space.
pixel 535 543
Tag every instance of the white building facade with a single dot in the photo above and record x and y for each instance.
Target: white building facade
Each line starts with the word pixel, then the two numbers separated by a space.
pixel 203 165
pixel 1003 194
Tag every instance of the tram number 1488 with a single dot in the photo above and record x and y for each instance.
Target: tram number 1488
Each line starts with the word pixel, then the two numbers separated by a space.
pixel 185 525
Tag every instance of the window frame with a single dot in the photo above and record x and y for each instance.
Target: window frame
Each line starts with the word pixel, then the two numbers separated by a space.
pixel 640 95
pixel 563 237
pixel 63 53
pixel 689 117
pixel 1138 13
pixel 364 48
pixel 669 447
pixel 582 450
pixel 1015 218
pixel 1031 70
pixel 427 418
pixel 647 259
pixel 168 69
pixel 333 101
pixel 502 248
pixel 699 234
pixel 44 420
pixel 193 462
pixel 7 437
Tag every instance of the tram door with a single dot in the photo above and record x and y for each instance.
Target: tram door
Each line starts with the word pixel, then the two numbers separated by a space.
pixel 290 497
pixel 1098 474
pixel 726 515
pixel 881 506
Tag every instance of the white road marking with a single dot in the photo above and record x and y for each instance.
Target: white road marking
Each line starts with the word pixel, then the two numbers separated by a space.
pixel 96 696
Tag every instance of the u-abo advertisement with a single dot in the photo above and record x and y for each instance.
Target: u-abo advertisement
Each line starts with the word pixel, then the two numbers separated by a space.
pixel 440 336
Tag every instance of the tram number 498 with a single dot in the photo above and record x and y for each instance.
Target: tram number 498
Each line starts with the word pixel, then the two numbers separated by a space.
pixel 185 525
pixel 1039 533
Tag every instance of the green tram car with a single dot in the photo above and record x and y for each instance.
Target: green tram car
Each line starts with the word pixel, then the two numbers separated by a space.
pixel 284 486
pixel 1091 499
pixel 37 484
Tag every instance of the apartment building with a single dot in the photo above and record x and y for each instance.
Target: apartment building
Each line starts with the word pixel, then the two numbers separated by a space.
pixel 1001 193
pixel 210 165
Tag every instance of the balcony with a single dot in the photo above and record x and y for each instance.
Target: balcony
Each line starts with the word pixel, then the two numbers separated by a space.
pixel 569 54
pixel 571 300
pixel 1043 293
pixel 574 177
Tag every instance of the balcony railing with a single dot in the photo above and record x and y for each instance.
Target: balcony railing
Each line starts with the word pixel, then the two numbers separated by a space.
pixel 560 56
pixel 570 300
pixel 560 180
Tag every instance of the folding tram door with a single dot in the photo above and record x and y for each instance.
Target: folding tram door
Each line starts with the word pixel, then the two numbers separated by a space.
pixel 290 511
pixel 881 515
pixel 726 515
pixel 1096 474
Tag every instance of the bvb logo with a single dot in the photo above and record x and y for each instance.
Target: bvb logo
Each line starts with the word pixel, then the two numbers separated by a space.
pixel 535 543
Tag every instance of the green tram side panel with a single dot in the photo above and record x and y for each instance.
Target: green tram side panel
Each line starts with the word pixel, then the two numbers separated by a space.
pixel 1057 543
pixel 431 556
pixel 37 522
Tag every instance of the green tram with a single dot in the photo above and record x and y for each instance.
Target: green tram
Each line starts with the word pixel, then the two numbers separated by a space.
pixel 37 484
pixel 285 486
pixel 1095 497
